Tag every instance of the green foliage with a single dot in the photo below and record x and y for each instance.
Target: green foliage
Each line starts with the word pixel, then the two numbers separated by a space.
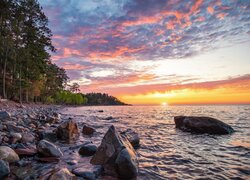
pixel 25 44
pixel 49 100
pixel 69 98
pixel 102 99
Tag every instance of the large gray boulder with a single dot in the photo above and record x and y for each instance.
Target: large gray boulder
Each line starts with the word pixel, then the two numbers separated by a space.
pixel 4 169
pixel 202 125
pixel 4 115
pixel 8 154
pixel 48 149
pixel 67 130
pixel 116 151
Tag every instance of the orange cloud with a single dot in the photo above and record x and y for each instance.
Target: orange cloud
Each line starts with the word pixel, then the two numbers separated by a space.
pixel 221 16
pixel 119 52
pixel 210 10
pixel 71 66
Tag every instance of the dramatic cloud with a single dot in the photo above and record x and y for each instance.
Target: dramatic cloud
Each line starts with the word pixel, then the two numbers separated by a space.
pixel 97 41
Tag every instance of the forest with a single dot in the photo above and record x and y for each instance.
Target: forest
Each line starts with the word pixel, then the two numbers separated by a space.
pixel 27 73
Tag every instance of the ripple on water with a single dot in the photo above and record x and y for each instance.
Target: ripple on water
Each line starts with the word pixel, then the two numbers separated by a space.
pixel 168 153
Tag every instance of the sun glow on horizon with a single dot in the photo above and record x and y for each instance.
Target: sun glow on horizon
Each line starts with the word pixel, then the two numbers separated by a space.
pixel 164 104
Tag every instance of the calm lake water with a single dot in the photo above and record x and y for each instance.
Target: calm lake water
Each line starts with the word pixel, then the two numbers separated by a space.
pixel 168 153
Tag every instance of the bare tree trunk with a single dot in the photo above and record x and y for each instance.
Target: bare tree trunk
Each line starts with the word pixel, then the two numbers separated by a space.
pixel 20 86
pixel 4 75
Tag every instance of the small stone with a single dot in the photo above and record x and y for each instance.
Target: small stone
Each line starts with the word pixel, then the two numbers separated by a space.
pixel 90 173
pixel 15 137
pixel 28 138
pixel 108 118
pixel 8 154
pixel 4 115
pixel 87 130
pixel 48 149
pixel 72 162
pixel 87 150
pixel 4 169
pixel 14 128
pixel 47 135
pixel 26 151
pixel 62 174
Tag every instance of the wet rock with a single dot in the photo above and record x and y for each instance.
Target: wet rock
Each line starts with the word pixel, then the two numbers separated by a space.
pixel 13 128
pixel 48 149
pixel 89 173
pixel 15 137
pixel 47 135
pixel 116 151
pixel 55 118
pixel 108 118
pixel 126 164
pixel 8 154
pixel 67 130
pixel 88 150
pixel 87 130
pixel 28 138
pixel 72 162
pixel 132 137
pixel 62 174
pixel 4 115
pixel 4 169
pixel 202 125
pixel 26 151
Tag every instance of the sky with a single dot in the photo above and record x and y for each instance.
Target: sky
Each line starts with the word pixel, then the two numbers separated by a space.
pixel 155 51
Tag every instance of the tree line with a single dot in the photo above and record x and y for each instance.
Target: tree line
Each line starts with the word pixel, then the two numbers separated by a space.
pixel 27 73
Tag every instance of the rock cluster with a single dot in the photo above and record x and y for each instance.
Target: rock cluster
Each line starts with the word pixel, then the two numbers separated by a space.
pixel 35 135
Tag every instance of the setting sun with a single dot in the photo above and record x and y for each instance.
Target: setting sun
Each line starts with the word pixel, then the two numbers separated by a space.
pixel 164 104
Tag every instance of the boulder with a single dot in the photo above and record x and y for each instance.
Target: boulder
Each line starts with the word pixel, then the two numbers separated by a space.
pixel 62 174
pixel 4 169
pixel 126 164
pixel 4 115
pixel 202 125
pixel 132 137
pixel 8 154
pixel 87 150
pixel 116 151
pixel 48 149
pixel 67 130
pixel 87 130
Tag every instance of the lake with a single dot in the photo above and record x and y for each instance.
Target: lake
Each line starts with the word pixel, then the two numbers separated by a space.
pixel 169 153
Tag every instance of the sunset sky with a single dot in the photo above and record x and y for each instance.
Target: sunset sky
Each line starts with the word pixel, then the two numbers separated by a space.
pixel 155 51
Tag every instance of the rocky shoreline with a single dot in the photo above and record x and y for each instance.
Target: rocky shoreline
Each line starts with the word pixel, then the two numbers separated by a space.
pixel 37 142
